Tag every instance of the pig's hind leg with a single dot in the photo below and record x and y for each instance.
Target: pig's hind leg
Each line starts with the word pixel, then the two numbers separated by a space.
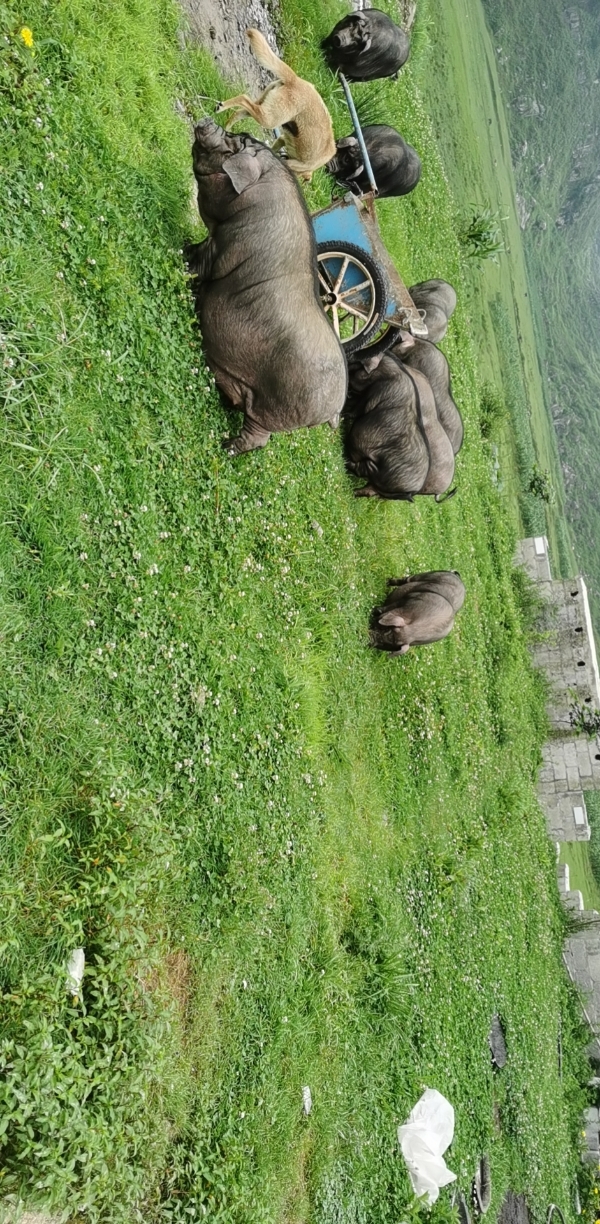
pixel 200 257
pixel 252 435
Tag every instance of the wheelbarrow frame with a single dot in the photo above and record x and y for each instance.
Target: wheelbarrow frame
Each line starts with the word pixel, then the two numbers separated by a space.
pixel 352 220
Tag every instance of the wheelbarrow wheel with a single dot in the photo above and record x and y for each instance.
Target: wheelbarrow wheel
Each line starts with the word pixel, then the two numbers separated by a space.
pixel 353 293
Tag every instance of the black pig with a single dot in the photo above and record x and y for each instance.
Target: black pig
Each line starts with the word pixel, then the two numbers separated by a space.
pixel 396 165
pixel 437 300
pixel 386 443
pixel 396 440
pixel 431 362
pixel 366 45
pixel 268 341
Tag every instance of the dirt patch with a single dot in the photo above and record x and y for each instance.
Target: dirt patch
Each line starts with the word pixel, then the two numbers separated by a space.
pixel 220 26
pixel 35 1217
pixel 514 1210
pixel 178 979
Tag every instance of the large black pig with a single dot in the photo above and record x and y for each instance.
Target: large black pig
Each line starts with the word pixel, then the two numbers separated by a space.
pixel 385 443
pixel 396 440
pixel 431 362
pixel 396 165
pixel 272 350
pixel 366 45
pixel 418 610
pixel 437 300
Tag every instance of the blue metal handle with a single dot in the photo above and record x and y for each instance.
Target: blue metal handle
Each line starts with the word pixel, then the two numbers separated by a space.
pixel 359 135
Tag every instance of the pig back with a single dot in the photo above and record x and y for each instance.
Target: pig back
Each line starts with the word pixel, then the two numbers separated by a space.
pixel 446 583
pixel 441 467
pixel 428 616
pixel 385 386
pixel 425 357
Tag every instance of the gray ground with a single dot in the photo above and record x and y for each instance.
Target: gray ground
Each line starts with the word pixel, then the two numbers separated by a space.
pixel 220 25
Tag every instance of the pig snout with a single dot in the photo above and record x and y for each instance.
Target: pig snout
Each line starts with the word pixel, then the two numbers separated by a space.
pixel 208 135
pixel 344 38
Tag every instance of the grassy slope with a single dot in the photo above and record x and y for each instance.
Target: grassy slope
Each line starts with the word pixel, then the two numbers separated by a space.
pixel 555 157
pixel 289 861
pixel 464 87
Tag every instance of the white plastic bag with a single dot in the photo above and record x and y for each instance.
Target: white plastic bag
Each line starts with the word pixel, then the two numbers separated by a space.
pixel 75 971
pixel 427 1132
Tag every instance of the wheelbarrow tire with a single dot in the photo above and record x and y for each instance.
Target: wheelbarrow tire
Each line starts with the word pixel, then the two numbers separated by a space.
pixel 379 290
pixel 382 344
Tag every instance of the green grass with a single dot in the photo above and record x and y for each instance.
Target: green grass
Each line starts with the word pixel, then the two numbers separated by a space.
pixel 581 872
pixel 289 860
pixel 467 101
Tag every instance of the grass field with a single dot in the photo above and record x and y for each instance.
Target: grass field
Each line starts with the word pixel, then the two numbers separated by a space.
pixel 581 874
pixel 555 153
pixel 289 861
pixel 468 105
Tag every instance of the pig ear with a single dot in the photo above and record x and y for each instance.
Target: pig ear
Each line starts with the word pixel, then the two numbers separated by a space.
pixel 392 618
pixel 405 343
pixel 243 169
pixel 370 363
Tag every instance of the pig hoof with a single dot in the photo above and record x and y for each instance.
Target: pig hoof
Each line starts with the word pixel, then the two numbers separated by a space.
pixel 232 446
pixel 335 420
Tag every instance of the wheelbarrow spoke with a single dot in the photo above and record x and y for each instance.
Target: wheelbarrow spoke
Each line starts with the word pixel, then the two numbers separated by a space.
pixel 335 320
pixel 325 278
pixel 354 289
pixel 358 314
pixel 342 273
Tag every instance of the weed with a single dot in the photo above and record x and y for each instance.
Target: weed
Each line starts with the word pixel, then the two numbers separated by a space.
pixel 480 234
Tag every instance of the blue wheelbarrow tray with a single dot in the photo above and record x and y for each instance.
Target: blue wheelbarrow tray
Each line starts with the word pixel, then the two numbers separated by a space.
pixel 352 219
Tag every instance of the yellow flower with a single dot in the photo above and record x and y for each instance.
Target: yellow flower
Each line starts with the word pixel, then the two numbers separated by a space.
pixel 27 36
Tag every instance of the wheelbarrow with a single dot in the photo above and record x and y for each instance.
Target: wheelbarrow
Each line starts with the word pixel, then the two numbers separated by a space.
pixel 362 293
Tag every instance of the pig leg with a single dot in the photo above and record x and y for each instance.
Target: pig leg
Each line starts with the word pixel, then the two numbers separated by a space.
pixel 251 437
pixel 199 257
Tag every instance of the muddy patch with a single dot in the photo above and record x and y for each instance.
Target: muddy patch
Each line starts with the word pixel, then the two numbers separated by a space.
pixel 220 26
